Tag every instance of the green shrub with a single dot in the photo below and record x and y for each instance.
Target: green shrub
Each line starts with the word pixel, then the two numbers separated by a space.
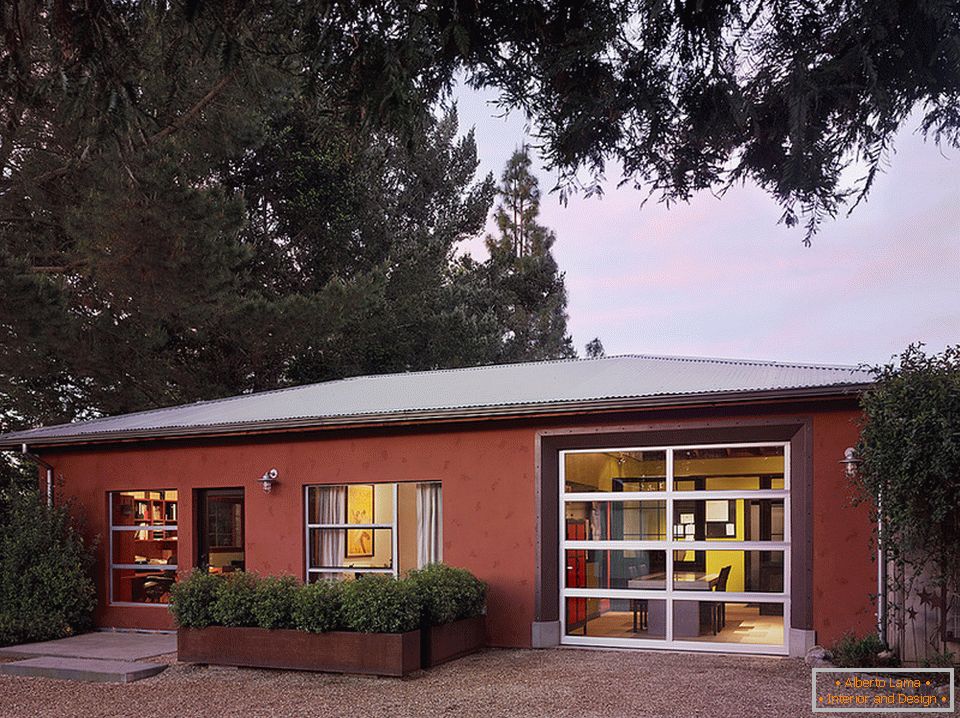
pixel 378 604
pixel 46 572
pixel 273 600
pixel 318 607
pixel 192 599
pixel 853 652
pixel 234 602
pixel 448 594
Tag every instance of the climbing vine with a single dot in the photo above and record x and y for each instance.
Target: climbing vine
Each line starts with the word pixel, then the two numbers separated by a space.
pixel 910 474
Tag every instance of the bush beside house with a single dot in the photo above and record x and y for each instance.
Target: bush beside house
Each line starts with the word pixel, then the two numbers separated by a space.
pixel 46 573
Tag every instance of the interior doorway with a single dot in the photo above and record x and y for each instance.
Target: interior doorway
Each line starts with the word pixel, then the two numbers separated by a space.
pixel 220 534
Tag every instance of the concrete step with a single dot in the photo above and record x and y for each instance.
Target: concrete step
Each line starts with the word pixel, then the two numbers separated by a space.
pixel 92 670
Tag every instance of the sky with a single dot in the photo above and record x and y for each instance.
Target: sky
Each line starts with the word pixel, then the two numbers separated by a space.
pixel 720 277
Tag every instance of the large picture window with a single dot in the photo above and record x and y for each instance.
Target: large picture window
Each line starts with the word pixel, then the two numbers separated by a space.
pixel 356 529
pixel 680 546
pixel 143 546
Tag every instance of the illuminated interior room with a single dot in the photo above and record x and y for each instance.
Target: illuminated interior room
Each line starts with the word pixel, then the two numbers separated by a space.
pixel 726 507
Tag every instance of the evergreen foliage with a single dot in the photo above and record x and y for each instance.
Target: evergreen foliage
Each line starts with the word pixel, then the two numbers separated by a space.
pixel 683 96
pixel 527 291
pixel 46 572
pixel 910 472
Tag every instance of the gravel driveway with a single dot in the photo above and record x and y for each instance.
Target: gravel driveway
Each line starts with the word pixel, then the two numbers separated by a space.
pixel 559 682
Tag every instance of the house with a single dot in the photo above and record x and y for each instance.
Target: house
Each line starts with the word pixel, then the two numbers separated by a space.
pixel 632 501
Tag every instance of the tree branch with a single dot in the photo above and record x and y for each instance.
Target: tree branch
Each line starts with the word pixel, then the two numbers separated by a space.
pixel 183 119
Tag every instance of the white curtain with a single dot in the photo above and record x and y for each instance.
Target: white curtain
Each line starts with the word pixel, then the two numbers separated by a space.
pixel 330 506
pixel 429 524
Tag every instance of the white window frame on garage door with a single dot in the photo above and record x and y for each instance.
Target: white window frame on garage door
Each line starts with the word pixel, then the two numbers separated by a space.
pixel 669 594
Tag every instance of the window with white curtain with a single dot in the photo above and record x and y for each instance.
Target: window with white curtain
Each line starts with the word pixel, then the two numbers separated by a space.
pixel 355 529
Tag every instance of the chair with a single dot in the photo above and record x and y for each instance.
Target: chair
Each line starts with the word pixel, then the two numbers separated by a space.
pixel 639 606
pixel 720 608
pixel 156 587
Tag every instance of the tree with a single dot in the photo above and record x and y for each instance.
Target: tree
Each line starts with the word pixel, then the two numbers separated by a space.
pixel 684 96
pixel 270 244
pixel 910 469
pixel 594 349
pixel 527 287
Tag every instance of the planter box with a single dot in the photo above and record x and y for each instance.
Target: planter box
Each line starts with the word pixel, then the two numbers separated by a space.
pixel 380 654
pixel 452 640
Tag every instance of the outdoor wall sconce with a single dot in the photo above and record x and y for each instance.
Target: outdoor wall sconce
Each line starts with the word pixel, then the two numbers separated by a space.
pixel 850 461
pixel 268 480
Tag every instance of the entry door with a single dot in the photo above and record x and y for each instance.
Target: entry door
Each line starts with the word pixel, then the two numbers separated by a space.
pixel 220 540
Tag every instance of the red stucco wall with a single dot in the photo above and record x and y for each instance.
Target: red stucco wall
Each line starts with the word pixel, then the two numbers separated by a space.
pixel 488 504
pixel 844 575
pixel 489 510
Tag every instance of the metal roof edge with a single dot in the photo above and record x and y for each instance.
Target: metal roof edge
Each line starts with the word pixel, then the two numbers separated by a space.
pixel 506 411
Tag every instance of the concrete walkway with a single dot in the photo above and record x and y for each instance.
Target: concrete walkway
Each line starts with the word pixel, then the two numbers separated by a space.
pixel 101 645
pixel 100 657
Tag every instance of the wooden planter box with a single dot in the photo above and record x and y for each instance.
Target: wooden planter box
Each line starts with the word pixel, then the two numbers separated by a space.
pixel 452 640
pixel 380 654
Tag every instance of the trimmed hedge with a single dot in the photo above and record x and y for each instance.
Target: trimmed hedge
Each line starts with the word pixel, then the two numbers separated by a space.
pixel 448 594
pixel 371 604
pixel 379 604
pixel 318 607
pixel 192 599
pixel 234 601
pixel 273 600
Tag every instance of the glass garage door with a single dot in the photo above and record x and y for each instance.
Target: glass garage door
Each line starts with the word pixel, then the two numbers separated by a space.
pixel 676 547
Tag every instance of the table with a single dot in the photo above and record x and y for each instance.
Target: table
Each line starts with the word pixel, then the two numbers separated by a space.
pixel 686 614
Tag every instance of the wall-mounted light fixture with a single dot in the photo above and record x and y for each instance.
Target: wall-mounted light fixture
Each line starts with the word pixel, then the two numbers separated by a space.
pixel 268 480
pixel 850 461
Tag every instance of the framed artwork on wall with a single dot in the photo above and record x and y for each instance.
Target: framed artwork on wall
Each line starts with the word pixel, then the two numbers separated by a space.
pixel 360 511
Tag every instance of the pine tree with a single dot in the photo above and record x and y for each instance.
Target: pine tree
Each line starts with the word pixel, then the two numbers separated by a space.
pixel 594 349
pixel 530 297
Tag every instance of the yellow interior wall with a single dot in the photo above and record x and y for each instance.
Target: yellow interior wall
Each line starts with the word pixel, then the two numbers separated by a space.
pixel 717 560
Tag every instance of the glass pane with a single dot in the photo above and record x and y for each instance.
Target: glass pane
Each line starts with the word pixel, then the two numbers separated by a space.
pixel 728 520
pixel 144 508
pixel 224 523
pixel 616 617
pixel 148 585
pixel 351 548
pixel 615 470
pixel 734 468
pixel 148 547
pixel 350 504
pixel 730 571
pixel 642 570
pixel 616 520
pixel 720 622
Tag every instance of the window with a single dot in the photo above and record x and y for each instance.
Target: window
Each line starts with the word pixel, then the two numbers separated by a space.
pixel 679 546
pixel 143 546
pixel 356 529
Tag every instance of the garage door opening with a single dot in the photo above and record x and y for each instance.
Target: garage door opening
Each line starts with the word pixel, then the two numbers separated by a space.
pixel 682 547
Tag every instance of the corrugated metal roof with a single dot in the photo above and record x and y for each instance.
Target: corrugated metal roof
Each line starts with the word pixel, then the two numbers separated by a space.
pixel 505 389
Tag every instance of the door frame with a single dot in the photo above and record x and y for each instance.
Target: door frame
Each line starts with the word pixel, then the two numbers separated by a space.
pixel 200 525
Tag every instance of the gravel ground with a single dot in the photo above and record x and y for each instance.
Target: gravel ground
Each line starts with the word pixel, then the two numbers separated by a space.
pixel 560 682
